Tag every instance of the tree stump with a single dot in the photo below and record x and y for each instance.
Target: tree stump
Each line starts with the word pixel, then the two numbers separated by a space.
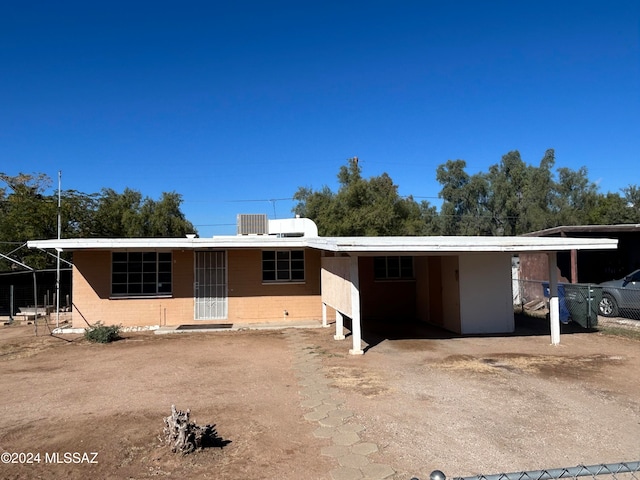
pixel 184 436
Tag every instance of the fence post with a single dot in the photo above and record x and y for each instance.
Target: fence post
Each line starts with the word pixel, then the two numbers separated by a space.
pixel 11 305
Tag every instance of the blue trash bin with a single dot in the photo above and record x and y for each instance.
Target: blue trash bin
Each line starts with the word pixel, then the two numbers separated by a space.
pixel 565 315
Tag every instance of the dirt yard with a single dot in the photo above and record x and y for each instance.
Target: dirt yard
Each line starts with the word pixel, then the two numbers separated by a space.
pixel 429 401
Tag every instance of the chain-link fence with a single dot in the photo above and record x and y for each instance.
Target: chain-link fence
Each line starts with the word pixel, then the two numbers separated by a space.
pixel 21 292
pixel 610 471
pixel 621 298
pixel 576 302
pixel 581 302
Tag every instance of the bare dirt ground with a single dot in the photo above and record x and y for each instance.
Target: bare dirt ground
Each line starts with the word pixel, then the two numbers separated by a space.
pixel 428 399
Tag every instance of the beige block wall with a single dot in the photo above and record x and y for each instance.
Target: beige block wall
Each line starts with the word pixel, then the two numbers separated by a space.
pixel 252 301
pixel 92 289
pixel 249 300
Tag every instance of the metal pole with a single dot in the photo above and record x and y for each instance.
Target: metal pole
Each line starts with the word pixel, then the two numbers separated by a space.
pixel 35 303
pixel 58 250
pixel 11 306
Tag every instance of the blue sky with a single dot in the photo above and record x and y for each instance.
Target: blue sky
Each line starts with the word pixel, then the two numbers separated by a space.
pixel 236 104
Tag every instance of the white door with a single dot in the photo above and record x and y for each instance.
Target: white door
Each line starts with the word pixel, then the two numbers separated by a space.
pixel 210 287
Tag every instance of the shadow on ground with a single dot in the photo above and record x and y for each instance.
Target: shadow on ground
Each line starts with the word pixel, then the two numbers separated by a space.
pixel 375 332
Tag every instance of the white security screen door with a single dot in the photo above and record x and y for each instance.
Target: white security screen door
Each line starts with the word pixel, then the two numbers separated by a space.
pixel 211 286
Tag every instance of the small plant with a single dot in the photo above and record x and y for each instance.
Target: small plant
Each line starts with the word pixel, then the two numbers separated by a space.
pixel 99 333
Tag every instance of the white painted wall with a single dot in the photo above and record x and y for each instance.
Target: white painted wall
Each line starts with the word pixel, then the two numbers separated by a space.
pixel 486 301
pixel 336 283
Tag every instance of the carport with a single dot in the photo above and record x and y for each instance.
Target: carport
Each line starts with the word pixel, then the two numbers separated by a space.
pixel 462 284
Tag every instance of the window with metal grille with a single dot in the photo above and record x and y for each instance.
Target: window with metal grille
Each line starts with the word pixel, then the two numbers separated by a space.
pixel 393 268
pixel 283 266
pixel 140 273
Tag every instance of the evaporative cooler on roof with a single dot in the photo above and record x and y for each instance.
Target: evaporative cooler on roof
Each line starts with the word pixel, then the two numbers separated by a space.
pixel 253 224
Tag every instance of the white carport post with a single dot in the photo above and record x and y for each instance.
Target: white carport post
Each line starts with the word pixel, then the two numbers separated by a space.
pixel 554 307
pixel 339 326
pixel 356 332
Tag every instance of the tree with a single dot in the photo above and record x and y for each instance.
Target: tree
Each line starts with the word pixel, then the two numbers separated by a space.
pixel 362 206
pixel 520 194
pixel 610 209
pixel 575 196
pixel 27 213
pixel 465 198
pixel 632 199
pixel 537 197
pixel 163 218
pixel 118 214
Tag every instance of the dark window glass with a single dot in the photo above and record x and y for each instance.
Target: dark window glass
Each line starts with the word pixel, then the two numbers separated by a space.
pixel 380 267
pixel 393 267
pixel 140 273
pixel 396 267
pixel 283 265
pixel 119 257
pixel 406 267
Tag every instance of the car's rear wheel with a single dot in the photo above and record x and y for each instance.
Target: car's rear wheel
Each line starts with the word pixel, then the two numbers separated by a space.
pixel 608 306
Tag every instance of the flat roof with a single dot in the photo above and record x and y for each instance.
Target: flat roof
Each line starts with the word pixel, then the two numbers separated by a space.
pixel 363 245
pixel 587 229
pixel 439 244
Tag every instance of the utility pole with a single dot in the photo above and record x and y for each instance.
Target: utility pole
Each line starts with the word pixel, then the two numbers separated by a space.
pixel 58 251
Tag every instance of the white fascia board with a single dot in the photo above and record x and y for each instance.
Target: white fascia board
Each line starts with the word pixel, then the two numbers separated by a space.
pixel 168 243
pixel 407 245
pixel 461 244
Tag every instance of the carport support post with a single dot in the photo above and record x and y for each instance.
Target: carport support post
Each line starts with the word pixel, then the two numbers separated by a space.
pixel 554 307
pixel 356 332
pixel 339 326
pixel 324 315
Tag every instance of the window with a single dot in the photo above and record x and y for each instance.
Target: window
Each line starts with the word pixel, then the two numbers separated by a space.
pixel 393 268
pixel 140 273
pixel 283 266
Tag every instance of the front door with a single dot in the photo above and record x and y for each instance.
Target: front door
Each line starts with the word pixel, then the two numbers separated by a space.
pixel 210 287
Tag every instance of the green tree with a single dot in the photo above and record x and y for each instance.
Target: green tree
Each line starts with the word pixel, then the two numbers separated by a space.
pixel 163 218
pixel 632 199
pixel 118 214
pixel 610 209
pixel 520 194
pixel 128 214
pixel 537 196
pixel 509 182
pixel 27 213
pixel 574 198
pixel 370 207
pixel 464 209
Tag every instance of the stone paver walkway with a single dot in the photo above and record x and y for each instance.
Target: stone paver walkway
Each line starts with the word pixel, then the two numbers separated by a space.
pixel 334 421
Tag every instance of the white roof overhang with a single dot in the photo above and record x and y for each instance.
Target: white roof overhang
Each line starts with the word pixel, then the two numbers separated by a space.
pixel 458 244
pixel 350 245
pixel 225 242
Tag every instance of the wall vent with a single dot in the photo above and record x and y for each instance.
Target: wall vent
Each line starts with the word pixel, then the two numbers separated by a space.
pixel 253 224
